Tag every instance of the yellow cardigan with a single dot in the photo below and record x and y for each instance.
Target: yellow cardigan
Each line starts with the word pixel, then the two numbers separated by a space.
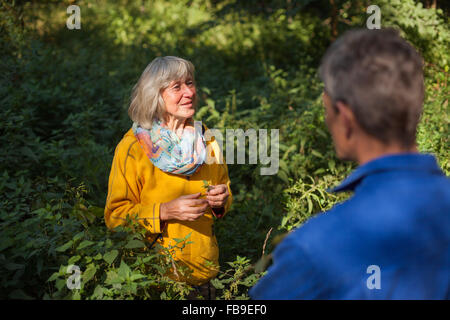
pixel 136 186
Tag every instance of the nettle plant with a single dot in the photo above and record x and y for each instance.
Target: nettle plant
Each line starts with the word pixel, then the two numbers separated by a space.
pixel 307 197
pixel 97 263
pixel 61 249
pixel 237 279
pixel 118 264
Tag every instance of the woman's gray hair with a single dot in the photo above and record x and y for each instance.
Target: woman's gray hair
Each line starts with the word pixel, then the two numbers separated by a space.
pixel 147 103
pixel 380 77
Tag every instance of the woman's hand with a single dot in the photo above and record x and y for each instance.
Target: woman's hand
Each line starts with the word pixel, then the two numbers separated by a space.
pixel 184 208
pixel 218 195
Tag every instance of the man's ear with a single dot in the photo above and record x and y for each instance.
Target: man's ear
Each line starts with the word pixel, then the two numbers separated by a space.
pixel 348 119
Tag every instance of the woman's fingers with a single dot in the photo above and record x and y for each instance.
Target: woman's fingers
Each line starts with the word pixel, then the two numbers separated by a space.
pixel 196 202
pixel 192 216
pixel 218 189
pixel 190 207
pixel 218 193
pixel 216 204
pixel 220 197
pixel 196 209
pixel 186 207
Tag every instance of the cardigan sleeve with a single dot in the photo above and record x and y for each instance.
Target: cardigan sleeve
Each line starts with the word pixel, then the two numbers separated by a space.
pixel 124 192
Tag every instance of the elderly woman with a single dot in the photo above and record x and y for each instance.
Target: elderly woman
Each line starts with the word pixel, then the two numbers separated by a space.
pixel 160 166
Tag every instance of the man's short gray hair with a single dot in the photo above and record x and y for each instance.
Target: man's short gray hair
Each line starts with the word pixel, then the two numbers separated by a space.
pixel 147 103
pixel 380 77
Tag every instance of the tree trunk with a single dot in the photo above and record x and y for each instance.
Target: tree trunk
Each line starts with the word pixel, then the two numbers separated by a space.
pixel 334 18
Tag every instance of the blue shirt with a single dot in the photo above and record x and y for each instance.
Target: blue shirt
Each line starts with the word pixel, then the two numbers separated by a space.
pixel 390 240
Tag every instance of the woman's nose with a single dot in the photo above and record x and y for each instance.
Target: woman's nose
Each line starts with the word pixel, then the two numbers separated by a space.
pixel 188 91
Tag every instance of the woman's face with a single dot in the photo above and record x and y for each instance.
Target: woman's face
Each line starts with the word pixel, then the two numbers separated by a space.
pixel 179 98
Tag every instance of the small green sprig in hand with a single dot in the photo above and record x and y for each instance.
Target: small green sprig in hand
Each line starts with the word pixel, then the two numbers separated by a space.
pixel 207 186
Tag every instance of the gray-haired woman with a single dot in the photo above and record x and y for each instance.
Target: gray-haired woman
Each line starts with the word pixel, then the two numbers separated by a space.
pixel 160 167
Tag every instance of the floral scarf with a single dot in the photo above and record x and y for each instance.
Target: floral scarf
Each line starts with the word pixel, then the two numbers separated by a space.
pixel 170 153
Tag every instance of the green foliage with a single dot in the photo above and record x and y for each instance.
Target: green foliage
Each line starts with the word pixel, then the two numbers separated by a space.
pixel 427 29
pixel 117 265
pixel 306 197
pixel 434 131
pixel 234 283
pixel 39 246
pixel 64 97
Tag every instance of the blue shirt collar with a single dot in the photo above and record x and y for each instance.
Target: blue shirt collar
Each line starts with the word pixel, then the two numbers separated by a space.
pixel 404 161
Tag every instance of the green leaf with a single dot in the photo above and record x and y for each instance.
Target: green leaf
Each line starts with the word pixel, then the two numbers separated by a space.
pixel 283 166
pixel 53 277
pixel 78 236
pixel 331 165
pixel 98 292
pixel 124 270
pixel 133 244
pixel 113 278
pixel 110 256
pixel 284 220
pixel 322 133
pixel 136 277
pixel 98 256
pixel 65 246
pixel 84 244
pixel 318 171
pixel 89 273
pixel 217 284
pixel 178 240
pixel 310 205
pixel 316 153
pixel 60 283
pixel 73 259
pixel 76 295
pixel 283 176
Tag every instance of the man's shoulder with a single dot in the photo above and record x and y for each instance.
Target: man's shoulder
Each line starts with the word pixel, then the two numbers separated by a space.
pixel 313 233
pixel 379 215
pixel 403 194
